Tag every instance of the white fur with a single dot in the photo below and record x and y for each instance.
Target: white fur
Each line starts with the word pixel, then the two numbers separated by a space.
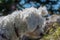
pixel 22 21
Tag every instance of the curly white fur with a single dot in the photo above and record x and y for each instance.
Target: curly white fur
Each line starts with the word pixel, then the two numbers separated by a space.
pixel 24 21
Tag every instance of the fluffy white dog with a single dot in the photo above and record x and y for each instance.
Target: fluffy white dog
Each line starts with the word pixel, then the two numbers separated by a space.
pixel 29 22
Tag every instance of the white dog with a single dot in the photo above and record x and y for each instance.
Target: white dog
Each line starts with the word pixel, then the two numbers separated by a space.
pixel 29 22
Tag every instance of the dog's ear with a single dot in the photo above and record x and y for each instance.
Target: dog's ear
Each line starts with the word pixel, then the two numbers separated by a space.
pixel 43 10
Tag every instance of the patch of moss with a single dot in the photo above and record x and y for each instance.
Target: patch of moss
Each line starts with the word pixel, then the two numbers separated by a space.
pixel 54 34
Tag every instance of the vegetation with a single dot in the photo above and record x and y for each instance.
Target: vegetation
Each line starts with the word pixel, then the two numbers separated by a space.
pixel 53 34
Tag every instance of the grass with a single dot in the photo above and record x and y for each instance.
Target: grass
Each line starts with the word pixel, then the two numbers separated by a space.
pixel 53 34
